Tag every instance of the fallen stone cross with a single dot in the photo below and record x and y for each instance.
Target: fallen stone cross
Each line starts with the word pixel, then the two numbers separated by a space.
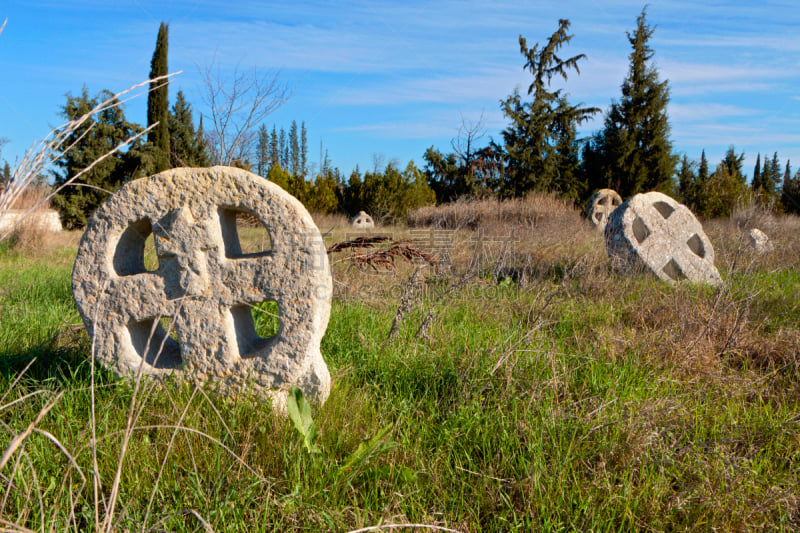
pixel 655 232
pixel 362 220
pixel 601 205
pixel 192 314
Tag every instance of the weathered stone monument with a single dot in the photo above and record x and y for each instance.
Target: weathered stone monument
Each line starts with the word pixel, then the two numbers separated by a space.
pixel 192 314
pixel 362 221
pixel 601 205
pixel 759 241
pixel 655 232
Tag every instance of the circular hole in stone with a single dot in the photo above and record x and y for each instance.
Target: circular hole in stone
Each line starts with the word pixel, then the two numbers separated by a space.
pixel 256 326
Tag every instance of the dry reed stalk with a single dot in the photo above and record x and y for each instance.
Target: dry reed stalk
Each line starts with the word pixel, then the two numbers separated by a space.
pixel 43 153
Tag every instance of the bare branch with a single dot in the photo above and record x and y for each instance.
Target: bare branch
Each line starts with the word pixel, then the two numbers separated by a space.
pixel 237 105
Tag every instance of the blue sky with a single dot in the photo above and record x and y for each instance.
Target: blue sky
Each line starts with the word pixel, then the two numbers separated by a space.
pixel 386 80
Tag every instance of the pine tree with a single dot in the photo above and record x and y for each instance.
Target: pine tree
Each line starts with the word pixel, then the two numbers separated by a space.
pixel 187 148
pixel 158 102
pixel 634 145
pixel 539 142
pixel 93 139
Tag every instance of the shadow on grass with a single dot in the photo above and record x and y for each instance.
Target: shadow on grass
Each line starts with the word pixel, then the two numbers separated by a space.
pixel 63 359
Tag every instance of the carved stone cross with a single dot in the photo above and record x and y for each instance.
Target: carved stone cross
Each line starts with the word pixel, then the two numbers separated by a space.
pixel 205 287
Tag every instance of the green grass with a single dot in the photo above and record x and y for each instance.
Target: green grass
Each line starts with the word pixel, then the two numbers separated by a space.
pixel 590 403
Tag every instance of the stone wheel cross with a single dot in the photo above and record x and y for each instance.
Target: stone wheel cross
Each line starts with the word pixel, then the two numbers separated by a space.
pixel 655 231
pixel 204 286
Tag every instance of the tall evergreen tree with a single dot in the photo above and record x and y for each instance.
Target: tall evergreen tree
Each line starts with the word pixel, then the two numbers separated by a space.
pixel 635 152
pixel 284 149
pixel 755 184
pixel 294 150
pixel 262 151
pixel 274 149
pixel 303 149
pixel 93 139
pixel 158 102
pixel 772 179
pixel 538 142
pixel 702 171
pixel 187 148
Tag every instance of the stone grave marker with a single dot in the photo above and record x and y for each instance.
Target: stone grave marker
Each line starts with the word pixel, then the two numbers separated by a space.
pixel 362 221
pixel 191 315
pixel 655 232
pixel 601 205
pixel 759 241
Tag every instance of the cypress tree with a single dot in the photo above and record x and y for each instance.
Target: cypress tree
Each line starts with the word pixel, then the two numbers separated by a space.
pixel 636 152
pixel 756 183
pixel 158 102
pixel 294 150
pixel 262 151
pixel 274 149
pixel 303 149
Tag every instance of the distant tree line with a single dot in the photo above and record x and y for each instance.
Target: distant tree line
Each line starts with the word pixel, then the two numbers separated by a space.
pixel 539 150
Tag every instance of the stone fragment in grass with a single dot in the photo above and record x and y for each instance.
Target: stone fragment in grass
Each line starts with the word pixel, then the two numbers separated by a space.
pixel 205 285
pixel 759 241
pixel 362 221
pixel 601 205
pixel 655 232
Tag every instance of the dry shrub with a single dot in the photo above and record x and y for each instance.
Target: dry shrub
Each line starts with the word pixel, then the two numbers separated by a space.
pixel 471 214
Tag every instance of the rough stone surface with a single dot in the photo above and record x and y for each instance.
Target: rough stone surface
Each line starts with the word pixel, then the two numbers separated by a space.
pixel 46 219
pixel 204 284
pixel 362 221
pixel 759 241
pixel 655 232
pixel 601 205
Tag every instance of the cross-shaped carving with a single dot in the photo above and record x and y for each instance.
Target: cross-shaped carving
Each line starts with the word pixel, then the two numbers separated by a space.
pixel 663 235
pixel 204 282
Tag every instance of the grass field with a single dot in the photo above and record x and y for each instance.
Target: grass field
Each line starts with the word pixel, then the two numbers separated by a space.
pixel 524 387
